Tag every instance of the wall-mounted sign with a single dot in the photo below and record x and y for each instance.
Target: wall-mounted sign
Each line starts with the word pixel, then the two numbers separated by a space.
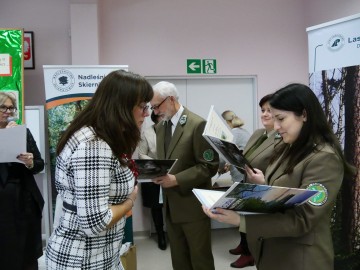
pixel 198 66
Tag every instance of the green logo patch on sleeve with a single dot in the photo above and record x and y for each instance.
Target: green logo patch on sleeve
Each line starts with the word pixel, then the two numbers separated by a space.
pixel 208 155
pixel 321 197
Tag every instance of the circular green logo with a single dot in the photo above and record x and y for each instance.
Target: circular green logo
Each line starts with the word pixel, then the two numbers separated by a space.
pixel 208 155
pixel 321 197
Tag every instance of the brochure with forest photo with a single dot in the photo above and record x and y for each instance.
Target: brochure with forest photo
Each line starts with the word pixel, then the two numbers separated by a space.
pixel 252 198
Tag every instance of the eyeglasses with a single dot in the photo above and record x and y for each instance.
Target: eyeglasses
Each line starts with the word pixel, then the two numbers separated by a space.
pixel 144 108
pixel 4 109
pixel 156 107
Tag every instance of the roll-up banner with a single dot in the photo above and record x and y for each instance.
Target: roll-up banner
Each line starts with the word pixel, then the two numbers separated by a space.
pixel 334 76
pixel 12 67
pixel 67 90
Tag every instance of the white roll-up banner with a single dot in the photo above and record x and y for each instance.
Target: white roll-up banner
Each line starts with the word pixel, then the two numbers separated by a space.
pixel 334 76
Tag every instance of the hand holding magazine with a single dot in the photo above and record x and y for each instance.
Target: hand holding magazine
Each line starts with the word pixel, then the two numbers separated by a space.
pixel 219 136
pixel 229 152
pixel 252 198
pixel 151 168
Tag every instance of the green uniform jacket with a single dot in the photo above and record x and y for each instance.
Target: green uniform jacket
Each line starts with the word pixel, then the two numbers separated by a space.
pixel 300 238
pixel 197 163
pixel 260 158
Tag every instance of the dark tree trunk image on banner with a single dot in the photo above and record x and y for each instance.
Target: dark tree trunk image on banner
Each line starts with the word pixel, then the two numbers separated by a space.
pixel 338 91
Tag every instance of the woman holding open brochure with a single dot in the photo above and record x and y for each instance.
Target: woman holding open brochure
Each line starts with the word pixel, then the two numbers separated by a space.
pixel 21 202
pixel 311 157
pixel 257 151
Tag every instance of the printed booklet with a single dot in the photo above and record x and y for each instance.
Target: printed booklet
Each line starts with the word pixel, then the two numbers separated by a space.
pixel 151 168
pixel 252 198
pixel 216 126
pixel 219 136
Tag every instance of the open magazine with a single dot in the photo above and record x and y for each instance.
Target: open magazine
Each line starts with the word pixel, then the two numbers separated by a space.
pixel 229 152
pixel 216 126
pixel 219 136
pixel 151 168
pixel 253 198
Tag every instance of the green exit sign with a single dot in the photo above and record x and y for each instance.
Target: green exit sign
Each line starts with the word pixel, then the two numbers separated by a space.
pixel 198 66
pixel 209 66
pixel 194 66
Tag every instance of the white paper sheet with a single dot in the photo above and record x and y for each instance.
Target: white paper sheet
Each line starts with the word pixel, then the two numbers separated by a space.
pixel 13 143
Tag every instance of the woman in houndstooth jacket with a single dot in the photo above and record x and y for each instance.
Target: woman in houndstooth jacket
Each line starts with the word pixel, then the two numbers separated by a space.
pixel 94 177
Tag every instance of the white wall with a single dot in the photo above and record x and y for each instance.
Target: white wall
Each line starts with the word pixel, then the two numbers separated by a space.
pixel 248 37
pixel 50 21
pixel 84 34
pixel 322 11
pixel 263 38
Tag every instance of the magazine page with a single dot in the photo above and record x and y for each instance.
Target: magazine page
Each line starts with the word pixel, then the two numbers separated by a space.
pixel 151 168
pixel 208 197
pixel 216 126
pixel 229 152
pixel 251 198
pixel 220 137
pixel 248 197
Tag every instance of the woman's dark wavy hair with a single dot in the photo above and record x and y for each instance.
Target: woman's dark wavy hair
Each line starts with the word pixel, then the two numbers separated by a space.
pixel 300 100
pixel 264 99
pixel 110 112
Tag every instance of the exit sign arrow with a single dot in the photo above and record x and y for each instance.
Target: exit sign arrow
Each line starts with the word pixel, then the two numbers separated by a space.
pixel 193 65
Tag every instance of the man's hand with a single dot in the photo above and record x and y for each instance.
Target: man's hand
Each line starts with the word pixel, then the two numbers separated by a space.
pixel 166 181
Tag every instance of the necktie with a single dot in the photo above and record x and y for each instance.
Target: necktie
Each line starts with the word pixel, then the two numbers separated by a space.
pixel 256 145
pixel 168 135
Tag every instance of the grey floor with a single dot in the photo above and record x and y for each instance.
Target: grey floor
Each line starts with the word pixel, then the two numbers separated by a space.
pixel 150 257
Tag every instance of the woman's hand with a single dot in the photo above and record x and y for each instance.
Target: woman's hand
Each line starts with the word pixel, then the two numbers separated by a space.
pixel 11 124
pixel 223 215
pixel 120 210
pixel 133 194
pixel 255 178
pixel 27 159
pixel 225 169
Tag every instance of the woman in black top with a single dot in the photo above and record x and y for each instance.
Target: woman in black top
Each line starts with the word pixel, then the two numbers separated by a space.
pixel 21 202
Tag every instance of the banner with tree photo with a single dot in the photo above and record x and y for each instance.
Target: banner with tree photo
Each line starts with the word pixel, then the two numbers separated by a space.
pixel 334 73
pixel 67 90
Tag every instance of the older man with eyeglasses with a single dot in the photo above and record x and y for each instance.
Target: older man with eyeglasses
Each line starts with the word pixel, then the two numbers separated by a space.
pixel 188 228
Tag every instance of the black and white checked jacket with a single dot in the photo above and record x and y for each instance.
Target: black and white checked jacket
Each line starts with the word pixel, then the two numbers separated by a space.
pixel 91 178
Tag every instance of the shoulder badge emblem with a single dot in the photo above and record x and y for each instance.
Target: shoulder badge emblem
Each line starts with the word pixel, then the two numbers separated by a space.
pixel 208 155
pixel 183 119
pixel 321 197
